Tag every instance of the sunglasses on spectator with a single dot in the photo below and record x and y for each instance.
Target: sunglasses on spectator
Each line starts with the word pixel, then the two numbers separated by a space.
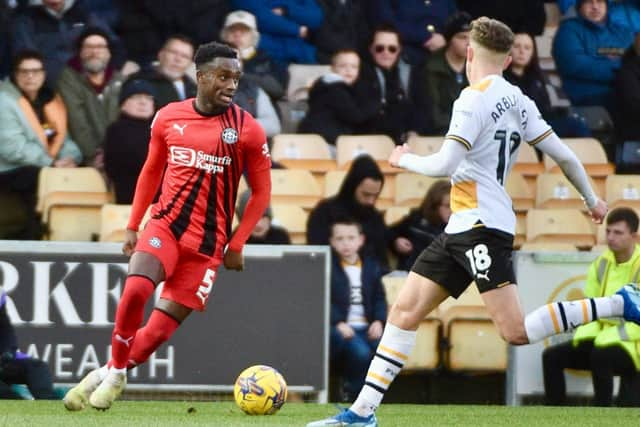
pixel 379 48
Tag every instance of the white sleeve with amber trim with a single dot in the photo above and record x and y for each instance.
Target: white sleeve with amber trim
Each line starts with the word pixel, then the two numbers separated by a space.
pixel 536 128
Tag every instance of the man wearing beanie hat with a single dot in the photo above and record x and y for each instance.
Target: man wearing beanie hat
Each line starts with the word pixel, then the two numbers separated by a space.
pixel 265 232
pixel 241 32
pixel 444 74
pixel 127 139
pixel 89 85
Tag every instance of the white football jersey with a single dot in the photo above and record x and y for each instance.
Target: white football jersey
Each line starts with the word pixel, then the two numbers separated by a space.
pixel 491 119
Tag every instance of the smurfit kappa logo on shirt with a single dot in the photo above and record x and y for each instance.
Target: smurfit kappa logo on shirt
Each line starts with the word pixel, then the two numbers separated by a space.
pixel 198 159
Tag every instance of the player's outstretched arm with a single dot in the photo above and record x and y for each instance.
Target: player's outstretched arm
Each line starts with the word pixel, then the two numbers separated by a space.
pixel 442 163
pixel 574 171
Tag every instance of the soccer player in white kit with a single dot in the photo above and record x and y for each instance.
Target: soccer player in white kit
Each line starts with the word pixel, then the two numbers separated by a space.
pixel 490 120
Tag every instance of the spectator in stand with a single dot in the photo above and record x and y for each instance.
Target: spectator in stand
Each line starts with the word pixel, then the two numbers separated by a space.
pixel 285 28
pixel 526 16
pixel 250 96
pixel 419 22
pixel 387 80
pixel 241 32
pixel 33 133
pixel 587 51
pixel 413 233
pixel 334 109
pixel 265 232
pixel 17 367
pixel 627 94
pixel 6 17
pixel 342 28
pixel 145 25
pixel 169 77
pixel 524 72
pixel 623 12
pixel 126 142
pixel 53 28
pixel 107 10
pixel 356 199
pixel 89 85
pixel 444 72
pixel 358 305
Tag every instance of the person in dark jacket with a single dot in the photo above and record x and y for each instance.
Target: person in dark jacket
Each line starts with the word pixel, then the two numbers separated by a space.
pixel 356 198
pixel 413 233
pixel 444 72
pixel 18 368
pixel 169 78
pixel 525 72
pixel 387 80
pixel 342 28
pixel 334 108
pixel 627 94
pixel 265 232
pixel 358 304
pixel 127 139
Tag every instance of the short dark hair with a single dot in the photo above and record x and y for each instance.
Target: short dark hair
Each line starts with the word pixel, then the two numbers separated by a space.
pixel 209 51
pixel 23 55
pixel 345 220
pixel 625 214
pixel 179 37
pixel 385 27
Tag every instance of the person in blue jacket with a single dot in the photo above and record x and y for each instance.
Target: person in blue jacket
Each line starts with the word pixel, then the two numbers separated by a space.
pixel 358 304
pixel 285 27
pixel 587 50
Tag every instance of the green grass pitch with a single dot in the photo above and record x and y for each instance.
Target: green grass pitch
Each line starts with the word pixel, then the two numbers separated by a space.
pixel 162 413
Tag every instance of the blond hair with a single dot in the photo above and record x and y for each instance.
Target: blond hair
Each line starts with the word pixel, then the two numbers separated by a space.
pixel 491 34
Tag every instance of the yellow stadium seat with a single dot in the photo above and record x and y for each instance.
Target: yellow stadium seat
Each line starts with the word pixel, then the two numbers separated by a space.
pixel 560 225
pixel 349 147
pixel 548 247
pixel 521 229
pixel 623 190
pixel 395 214
pixel 554 191
pixel 425 145
pixel 299 146
pixel 411 188
pixel 113 222
pixel 70 200
pixel 294 186
pixel 590 153
pixel 294 219
pixel 520 192
pixel 528 165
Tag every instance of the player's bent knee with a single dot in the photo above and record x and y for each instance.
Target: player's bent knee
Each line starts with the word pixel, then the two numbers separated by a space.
pixel 515 336
pixel 404 317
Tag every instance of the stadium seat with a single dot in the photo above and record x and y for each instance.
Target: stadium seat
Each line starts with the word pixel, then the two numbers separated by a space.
pixel 426 352
pixel 411 188
pixel 299 146
pixel 473 342
pixel 520 193
pixel 560 225
pixel 70 200
pixel 351 146
pixel 591 154
pixel 521 230
pixel 303 151
pixel 294 186
pixel 548 247
pixel 333 181
pixel 623 190
pixel 113 222
pixel 425 145
pixel 291 114
pixel 395 214
pixel 294 219
pixel 301 78
pixel 528 165
pixel 554 191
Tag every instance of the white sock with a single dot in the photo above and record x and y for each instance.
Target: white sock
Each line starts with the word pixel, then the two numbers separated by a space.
pixel 392 352
pixel 564 316
pixel 102 372
pixel 115 370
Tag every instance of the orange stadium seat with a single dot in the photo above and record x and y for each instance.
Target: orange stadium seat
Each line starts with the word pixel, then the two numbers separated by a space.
pixel 560 225
pixel 623 190
pixel 411 188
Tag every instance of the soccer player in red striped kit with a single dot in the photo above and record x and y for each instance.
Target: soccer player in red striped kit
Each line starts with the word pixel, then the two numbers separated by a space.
pixel 203 146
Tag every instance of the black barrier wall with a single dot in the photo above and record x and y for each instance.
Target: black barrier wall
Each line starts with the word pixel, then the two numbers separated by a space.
pixel 62 300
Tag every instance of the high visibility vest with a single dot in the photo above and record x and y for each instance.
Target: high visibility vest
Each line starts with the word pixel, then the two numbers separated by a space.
pixel 607 332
